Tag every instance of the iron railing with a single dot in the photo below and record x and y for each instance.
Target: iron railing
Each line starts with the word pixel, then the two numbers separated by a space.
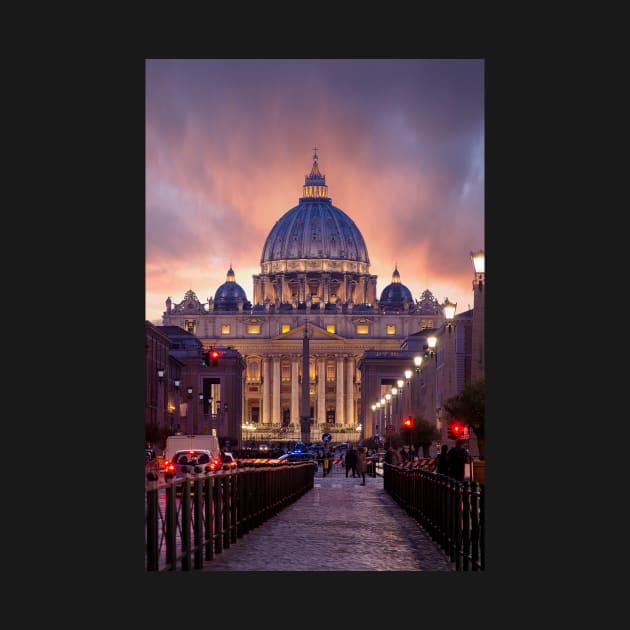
pixel 190 520
pixel 450 511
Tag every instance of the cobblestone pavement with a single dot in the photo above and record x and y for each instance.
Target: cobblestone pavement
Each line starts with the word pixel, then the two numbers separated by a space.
pixel 339 525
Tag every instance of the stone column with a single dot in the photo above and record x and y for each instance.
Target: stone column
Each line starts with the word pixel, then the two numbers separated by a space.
pixel 339 401
pixel 321 390
pixel 349 391
pixel 275 396
pixel 266 401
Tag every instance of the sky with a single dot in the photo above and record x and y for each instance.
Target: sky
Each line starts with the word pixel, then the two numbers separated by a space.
pixel 230 141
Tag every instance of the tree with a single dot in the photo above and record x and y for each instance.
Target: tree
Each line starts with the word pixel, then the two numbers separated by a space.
pixel 424 433
pixel 469 406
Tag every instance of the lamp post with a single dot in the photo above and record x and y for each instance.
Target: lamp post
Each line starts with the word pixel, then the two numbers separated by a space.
pixel 478 327
pixel 401 399
pixel 189 391
pixel 160 399
pixel 448 360
pixel 177 382
pixel 408 374
pixel 388 409
pixel 201 410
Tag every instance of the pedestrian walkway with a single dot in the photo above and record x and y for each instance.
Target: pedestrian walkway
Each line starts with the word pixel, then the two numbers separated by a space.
pixel 339 525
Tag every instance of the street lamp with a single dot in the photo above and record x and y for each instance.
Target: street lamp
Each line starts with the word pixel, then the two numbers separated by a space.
pixel 479 262
pixel 431 343
pixel 160 401
pixel 189 391
pixel 408 374
pixel 449 313
pixel 201 397
pixel 388 416
pixel 177 382
pixel 418 362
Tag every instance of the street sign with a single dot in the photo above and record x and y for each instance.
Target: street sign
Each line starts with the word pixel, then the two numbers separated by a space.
pixel 326 437
pixel 389 428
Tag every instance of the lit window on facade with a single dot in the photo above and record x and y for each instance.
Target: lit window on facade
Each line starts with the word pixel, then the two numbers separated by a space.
pixel 189 325
pixel 363 329
pixel 286 372
pixel 225 329
pixel 330 372
pixel 426 323
pixel 253 329
pixel 285 328
pixel 391 329
pixel 330 328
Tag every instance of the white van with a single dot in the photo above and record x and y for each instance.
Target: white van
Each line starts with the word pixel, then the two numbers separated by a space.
pixel 192 442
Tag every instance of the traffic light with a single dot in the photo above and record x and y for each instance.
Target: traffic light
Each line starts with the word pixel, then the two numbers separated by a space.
pixel 214 355
pixel 456 430
pixel 205 360
pixel 408 422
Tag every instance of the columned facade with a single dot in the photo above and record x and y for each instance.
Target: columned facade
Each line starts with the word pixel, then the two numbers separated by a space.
pixel 314 272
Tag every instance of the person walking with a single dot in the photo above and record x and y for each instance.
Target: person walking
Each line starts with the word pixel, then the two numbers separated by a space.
pixel 457 459
pixel 361 463
pixel 351 461
pixel 442 462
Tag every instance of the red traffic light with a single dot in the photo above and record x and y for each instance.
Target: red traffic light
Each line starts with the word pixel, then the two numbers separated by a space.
pixel 408 422
pixel 214 356
pixel 457 430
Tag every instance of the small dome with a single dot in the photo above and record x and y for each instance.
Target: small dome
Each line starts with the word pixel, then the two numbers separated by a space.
pixel 229 294
pixel 395 295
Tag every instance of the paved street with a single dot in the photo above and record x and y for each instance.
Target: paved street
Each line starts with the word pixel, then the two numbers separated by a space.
pixel 338 526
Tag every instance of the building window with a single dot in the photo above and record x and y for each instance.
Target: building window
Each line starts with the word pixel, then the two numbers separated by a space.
pixel 330 372
pixel 189 325
pixel 225 329
pixel 253 329
pixel 426 323
pixel 285 328
pixel 330 328
pixel 391 329
pixel 330 416
pixel 363 329
pixel 286 372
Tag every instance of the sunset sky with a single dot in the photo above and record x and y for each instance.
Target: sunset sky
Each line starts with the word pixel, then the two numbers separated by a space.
pixel 229 142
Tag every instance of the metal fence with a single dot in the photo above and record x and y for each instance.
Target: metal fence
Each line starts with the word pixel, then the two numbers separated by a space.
pixel 189 520
pixel 451 512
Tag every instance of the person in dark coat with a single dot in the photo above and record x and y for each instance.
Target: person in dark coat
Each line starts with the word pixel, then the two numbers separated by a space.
pixel 442 461
pixel 351 461
pixel 457 459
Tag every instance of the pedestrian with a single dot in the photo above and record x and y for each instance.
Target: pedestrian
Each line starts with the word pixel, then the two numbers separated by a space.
pixel 457 459
pixel 351 461
pixel 442 462
pixel 392 456
pixel 361 464
pixel 325 464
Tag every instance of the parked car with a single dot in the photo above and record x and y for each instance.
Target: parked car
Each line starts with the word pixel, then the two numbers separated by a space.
pixel 188 460
pixel 228 461
pixel 299 456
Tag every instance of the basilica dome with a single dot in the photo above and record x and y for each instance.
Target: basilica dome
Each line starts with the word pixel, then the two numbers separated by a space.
pixel 315 229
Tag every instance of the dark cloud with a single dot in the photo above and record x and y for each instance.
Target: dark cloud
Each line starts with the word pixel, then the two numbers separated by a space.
pixel 400 141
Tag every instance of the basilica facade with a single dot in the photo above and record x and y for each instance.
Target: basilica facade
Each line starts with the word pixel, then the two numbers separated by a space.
pixel 314 280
